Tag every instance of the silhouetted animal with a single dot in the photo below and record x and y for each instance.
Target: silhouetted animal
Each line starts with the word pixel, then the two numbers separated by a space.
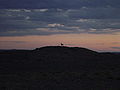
pixel 62 44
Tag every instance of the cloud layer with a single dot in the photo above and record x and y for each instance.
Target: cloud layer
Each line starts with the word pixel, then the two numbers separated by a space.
pixel 22 22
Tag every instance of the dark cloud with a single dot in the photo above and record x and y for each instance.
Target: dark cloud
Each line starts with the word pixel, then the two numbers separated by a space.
pixel 115 47
pixel 21 22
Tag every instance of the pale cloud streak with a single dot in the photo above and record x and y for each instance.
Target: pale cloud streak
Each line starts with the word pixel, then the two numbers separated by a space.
pixel 55 25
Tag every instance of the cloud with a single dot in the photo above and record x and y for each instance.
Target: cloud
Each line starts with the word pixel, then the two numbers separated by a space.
pixel 18 10
pixel 42 10
pixel 115 47
pixel 103 31
pixel 55 25
pixel 51 30
pixel 23 22
pixel 26 10
pixel 82 20
pixel 27 17
pixel 13 10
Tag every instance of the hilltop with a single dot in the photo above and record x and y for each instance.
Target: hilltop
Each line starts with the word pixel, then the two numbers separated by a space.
pixel 57 58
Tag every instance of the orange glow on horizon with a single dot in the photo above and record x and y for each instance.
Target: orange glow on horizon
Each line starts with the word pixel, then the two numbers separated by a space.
pixel 98 42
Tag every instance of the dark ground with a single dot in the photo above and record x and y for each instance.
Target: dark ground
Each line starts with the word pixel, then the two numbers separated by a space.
pixel 59 68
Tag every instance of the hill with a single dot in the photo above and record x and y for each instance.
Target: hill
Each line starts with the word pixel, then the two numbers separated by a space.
pixel 57 58
pixel 58 68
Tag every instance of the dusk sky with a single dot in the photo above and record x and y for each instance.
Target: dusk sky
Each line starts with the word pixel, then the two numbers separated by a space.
pixel 29 24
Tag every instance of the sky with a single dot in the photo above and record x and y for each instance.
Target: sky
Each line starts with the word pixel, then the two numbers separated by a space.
pixel 29 24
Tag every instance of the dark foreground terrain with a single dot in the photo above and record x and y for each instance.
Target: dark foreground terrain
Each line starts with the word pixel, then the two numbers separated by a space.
pixel 59 68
